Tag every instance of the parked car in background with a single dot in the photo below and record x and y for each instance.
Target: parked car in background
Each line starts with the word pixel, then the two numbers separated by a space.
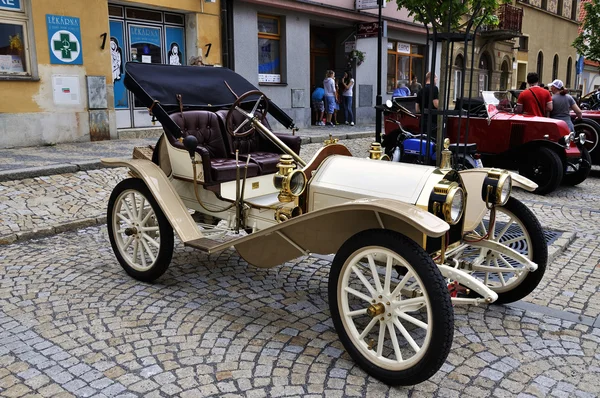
pixel 541 149
pixel 589 124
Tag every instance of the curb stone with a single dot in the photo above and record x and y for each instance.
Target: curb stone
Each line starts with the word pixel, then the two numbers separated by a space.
pixel 52 230
pixel 86 165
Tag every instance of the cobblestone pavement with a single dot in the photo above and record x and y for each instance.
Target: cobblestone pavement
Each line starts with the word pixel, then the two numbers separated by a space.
pixel 43 205
pixel 72 323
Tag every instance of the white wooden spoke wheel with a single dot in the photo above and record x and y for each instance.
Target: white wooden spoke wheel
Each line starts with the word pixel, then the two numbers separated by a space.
pixel 140 234
pixel 516 227
pixel 391 307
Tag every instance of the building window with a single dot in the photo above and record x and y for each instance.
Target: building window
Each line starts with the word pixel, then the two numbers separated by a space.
pixel 459 63
pixel 569 71
pixel 574 10
pixel 404 61
pixel 14 40
pixel 555 67
pixel 523 43
pixel 485 71
pixel 540 65
pixel 269 49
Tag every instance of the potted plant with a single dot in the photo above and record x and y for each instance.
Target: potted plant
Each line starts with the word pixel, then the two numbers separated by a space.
pixel 358 56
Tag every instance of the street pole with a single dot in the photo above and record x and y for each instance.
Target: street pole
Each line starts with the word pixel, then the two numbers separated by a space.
pixel 378 101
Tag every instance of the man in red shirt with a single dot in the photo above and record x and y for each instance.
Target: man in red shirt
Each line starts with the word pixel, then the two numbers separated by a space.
pixel 535 100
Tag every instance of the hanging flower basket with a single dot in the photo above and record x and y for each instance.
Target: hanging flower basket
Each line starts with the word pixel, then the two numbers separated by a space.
pixel 358 56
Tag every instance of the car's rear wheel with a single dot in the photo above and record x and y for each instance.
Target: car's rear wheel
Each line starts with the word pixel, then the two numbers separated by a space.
pixel 544 167
pixel 583 169
pixel 139 231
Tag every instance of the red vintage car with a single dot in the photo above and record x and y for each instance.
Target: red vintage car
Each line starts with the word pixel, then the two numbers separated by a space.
pixel 589 124
pixel 542 149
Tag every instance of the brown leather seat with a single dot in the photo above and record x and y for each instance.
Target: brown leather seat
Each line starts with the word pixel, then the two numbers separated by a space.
pixel 262 151
pixel 206 127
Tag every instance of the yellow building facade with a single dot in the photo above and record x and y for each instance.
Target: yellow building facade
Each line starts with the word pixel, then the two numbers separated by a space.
pixel 62 63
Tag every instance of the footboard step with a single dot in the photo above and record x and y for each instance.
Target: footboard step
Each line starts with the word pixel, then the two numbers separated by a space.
pixel 207 245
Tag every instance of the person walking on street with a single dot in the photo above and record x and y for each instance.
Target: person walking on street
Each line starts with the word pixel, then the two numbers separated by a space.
pixel 318 107
pixel 347 86
pixel 535 100
pixel 329 87
pixel 415 86
pixel 562 104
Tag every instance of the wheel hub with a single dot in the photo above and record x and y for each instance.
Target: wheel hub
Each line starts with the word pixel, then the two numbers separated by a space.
pixel 131 231
pixel 375 310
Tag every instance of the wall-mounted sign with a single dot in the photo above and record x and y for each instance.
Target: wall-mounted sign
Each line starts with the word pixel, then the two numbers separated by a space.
pixel 403 48
pixel 349 46
pixel 64 34
pixel 269 78
pixel 369 29
pixel 368 4
pixel 11 5
pixel 66 90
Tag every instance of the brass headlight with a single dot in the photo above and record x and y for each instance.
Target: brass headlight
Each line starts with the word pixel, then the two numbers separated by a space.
pixel 497 187
pixel 290 182
pixel 447 200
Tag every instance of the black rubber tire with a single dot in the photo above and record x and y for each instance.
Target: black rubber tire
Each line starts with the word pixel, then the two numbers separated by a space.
pixel 552 169
pixel 591 128
pixel 539 252
pixel 584 169
pixel 442 314
pixel 165 251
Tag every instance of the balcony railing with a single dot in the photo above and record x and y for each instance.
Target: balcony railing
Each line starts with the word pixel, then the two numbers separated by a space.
pixel 511 21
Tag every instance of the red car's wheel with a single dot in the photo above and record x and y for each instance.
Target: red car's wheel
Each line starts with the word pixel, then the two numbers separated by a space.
pixel 544 167
pixel 583 170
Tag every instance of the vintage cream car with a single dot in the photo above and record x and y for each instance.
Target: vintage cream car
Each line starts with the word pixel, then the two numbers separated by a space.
pixel 409 240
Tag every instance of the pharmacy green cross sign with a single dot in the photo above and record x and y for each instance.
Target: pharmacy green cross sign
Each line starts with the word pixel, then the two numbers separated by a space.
pixel 64 39
pixel 65 46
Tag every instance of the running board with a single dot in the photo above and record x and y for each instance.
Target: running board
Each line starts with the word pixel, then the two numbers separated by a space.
pixel 208 246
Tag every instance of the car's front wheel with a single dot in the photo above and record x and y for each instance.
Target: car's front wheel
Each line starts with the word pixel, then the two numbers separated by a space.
pixel 544 167
pixel 139 232
pixel 391 307
pixel 582 170
pixel 516 227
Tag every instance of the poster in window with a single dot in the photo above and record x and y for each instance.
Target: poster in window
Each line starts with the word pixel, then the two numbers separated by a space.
pixel 174 38
pixel 146 41
pixel 64 35
pixel 117 42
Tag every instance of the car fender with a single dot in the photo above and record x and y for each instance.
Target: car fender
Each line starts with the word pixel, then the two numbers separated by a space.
pixel 476 207
pixel 163 191
pixel 323 231
pixel 526 148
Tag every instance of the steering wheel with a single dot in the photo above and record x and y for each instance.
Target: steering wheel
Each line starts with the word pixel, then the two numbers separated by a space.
pixel 258 112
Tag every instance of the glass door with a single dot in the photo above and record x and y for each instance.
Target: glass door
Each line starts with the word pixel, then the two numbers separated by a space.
pixel 146 46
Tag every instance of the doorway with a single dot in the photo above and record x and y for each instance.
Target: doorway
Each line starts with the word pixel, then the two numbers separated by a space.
pixel 147 36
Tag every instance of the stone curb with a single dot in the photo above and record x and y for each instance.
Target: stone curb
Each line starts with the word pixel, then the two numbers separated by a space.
pixel 53 230
pixel 85 165
pixel 560 245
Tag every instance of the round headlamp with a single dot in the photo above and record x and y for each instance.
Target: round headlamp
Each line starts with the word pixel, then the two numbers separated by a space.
pixel 582 138
pixel 290 182
pixel 497 187
pixel 447 201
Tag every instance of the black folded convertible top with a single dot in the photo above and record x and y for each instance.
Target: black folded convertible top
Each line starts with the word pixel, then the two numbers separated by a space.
pixel 201 87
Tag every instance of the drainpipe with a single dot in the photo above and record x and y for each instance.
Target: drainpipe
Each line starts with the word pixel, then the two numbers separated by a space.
pixel 227 33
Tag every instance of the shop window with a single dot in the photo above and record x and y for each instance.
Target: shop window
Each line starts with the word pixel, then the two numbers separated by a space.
pixel 555 67
pixel 569 71
pixel 147 15
pixel 14 40
pixel 404 61
pixel 269 49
